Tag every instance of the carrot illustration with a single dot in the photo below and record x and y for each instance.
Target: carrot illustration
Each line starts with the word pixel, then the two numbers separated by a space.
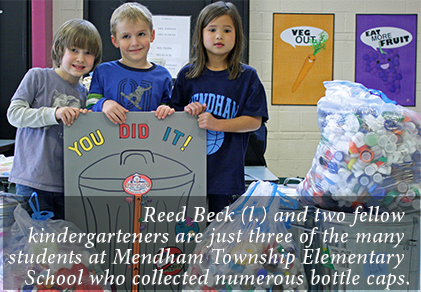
pixel 317 46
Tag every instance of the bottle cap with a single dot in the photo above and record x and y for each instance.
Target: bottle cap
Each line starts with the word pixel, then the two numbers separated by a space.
pixel 333 188
pixel 344 173
pixel 358 139
pixel 377 177
pixel 352 147
pixel 390 196
pixel 416 204
pixel 416 191
pixel 410 127
pixel 366 155
pixel 402 187
pixel 378 192
pixel 358 173
pixel 416 156
pixel 341 184
pixel 390 124
pixel 339 156
pixel 382 141
pixel 364 180
pixel 322 161
pixel 393 138
pixel 372 187
pixel 376 149
pixel 371 169
pixel 357 204
pixel 390 147
pixel 351 162
pixel 385 169
pixel 332 167
pixel 371 139
pixel 331 178
pixel 356 188
pixel 410 194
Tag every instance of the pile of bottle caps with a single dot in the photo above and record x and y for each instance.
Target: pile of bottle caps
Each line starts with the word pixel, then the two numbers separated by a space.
pixel 369 153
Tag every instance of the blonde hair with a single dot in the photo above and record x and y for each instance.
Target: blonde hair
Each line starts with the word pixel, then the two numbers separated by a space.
pixel 76 33
pixel 132 11
pixel 199 54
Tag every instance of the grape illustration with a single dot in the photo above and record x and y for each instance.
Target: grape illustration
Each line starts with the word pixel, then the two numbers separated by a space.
pixel 385 66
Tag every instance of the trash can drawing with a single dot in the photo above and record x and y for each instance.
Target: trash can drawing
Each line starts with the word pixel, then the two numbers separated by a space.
pixel 118 190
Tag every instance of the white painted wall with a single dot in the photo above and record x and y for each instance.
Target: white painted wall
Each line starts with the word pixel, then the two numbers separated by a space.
pixel 293 132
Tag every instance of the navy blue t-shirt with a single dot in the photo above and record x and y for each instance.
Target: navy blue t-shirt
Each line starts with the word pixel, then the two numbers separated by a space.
pixel 225 99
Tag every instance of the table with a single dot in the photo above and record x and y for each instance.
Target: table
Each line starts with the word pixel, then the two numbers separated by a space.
pixel 252 173
pixel 6 145
pixel 5 165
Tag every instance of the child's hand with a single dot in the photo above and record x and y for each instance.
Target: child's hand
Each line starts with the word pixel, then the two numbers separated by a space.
pixel 207 121
pixel 67 114
pixel 195 108
pixel 114 112
pixel 163 111
pixel 84 110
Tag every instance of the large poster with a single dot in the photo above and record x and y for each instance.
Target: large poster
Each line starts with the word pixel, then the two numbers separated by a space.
pixel 385 58
pixel 146 176
pixel 302 57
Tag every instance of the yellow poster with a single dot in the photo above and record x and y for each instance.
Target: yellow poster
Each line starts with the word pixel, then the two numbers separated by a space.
pixel 302 57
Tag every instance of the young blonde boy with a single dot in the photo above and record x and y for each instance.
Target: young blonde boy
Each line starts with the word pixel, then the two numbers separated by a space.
pixel 131 83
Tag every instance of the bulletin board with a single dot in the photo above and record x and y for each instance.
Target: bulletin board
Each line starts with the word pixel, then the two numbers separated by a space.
pixel 385 55
pixel 117 175
pixel 302 57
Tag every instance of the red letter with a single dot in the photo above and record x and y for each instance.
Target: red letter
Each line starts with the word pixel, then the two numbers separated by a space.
pixel 126 127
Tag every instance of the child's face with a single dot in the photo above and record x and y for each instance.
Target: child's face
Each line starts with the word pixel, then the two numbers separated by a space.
pixel 75 63
pixel 134 40
pixel 219 36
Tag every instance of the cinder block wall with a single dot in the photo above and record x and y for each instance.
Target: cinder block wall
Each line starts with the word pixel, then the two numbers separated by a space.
pixel 293 132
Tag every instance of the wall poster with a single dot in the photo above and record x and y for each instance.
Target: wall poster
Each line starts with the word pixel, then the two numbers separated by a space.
pixel 385 60
pixel 302 57
pixel 128 179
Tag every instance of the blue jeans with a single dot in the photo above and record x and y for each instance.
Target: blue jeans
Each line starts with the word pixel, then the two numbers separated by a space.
pixel 48 201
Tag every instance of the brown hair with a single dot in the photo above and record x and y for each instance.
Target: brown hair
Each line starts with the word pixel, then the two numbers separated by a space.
pixel 199 55
pixel 131 11
pixel 77 33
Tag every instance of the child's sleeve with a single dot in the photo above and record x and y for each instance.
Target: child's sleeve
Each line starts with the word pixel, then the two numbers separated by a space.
pixel 20 114
pixel 166 94
pixel 256 104
pixel 94 102
pixel 95 98
pixel 177 100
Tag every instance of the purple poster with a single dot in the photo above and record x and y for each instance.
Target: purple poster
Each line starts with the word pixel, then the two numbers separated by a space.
pixel 385 56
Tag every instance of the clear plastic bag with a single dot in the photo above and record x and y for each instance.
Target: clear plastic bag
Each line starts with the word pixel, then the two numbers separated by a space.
pixel 253 252
pixel 27 254
pixel 368 155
